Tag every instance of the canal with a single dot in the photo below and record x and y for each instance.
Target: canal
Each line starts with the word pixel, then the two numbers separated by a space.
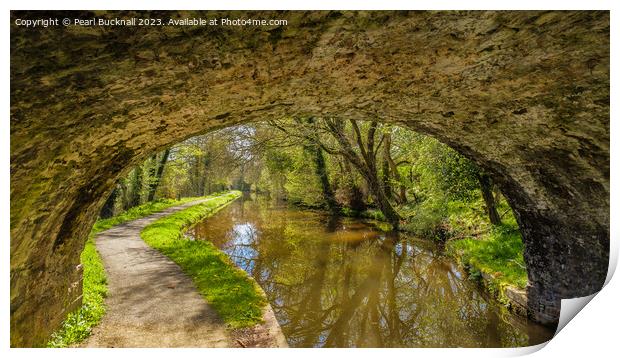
pixel 339 282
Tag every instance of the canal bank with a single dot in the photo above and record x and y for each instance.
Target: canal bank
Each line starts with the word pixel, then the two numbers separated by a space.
pixel 238 300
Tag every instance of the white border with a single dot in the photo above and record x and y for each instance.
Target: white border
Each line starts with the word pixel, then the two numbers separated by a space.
pixel 592 332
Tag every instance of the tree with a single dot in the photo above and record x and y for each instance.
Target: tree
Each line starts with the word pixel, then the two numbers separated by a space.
pixel 364 160
pixel 107 211
pixel 136 187
pixel 354 195
pixel 156 173
pixel 486 187
pixel 321 173
pixel 321 170
pixel 391 166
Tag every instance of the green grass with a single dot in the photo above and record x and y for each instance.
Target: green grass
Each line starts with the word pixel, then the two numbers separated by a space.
pixel 78 324
pixel 229 290
pixel 139 212
pixel 498 254
pixel 483 248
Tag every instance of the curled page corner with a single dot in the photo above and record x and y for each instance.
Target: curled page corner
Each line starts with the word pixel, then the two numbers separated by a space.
pixel 613 261
pixel 571 307
pixel 523 351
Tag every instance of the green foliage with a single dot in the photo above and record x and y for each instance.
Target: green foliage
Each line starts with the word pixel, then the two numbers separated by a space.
pixel 457 176
pixel 450 206
pixel 373 214
pixel 426 218
pixel 278 161
pixel 228 289
pixel 441 180
pixel 78 325
pixel 345 211
pixel 277 164
pixel 442 169
pixel 207 163
pixel 302 184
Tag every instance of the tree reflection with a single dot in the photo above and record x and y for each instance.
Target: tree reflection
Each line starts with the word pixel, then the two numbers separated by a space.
pixel 338 283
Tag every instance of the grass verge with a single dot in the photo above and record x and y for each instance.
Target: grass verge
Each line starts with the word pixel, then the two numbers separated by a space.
pixel 229 290
pixel 78 324
pixel 492 254
pixel 497 258
pixel 484 248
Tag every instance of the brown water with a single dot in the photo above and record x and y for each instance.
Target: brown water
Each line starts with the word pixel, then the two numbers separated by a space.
pixel 341 283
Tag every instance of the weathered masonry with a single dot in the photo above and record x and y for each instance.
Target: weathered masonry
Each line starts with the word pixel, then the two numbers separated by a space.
pixel 523 94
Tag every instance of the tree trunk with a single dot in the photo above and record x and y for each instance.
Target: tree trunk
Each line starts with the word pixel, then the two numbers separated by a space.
pixel 124 192
pixel 355 196
pixel 136 187
pixel 376 190
pixel 365 163
pixel 202 173
pixel 107 211
pixel 402 195
pixel 385 177
pixel 158 174
pixel 321 172
pixel 486 186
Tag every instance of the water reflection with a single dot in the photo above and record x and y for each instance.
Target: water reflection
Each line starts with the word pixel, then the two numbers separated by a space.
pixel 340 283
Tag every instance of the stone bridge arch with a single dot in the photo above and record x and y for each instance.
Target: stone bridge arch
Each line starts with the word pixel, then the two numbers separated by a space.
pixel 524 94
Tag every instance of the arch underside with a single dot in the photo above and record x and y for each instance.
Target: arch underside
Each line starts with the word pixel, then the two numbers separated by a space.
pixel 523 94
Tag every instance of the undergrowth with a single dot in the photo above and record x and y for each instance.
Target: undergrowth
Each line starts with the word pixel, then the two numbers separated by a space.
pixel 481 247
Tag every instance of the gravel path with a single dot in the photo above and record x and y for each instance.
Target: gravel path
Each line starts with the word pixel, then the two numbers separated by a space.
pixel 152 303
